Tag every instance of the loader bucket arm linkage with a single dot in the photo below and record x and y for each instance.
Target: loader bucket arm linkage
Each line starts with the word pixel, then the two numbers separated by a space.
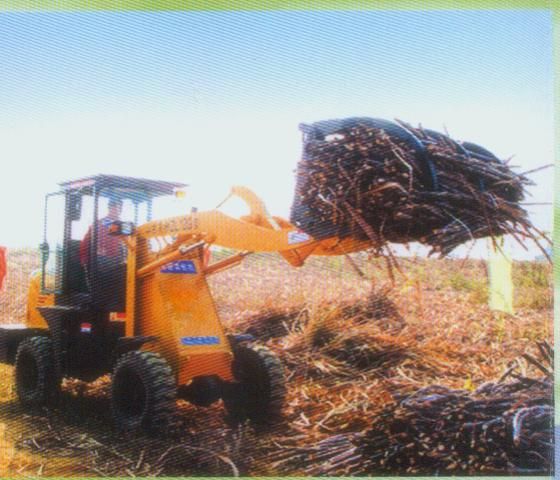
pixel 256 232
pixel 179 309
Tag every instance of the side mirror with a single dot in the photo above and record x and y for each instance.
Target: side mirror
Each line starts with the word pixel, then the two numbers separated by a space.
pixel 119 227
pixel 74 206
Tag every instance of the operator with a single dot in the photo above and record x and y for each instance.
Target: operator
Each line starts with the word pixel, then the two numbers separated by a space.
pixel 109 247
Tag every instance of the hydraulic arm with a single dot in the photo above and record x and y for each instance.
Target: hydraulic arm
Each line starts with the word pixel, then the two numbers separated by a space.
pixel 183 302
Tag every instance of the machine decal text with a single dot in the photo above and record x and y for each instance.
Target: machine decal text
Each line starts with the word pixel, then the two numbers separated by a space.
pixel 179 266
pixel 295 236
pixel 195 341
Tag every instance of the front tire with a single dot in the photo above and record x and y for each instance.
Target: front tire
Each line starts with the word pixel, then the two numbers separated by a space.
pixel 261 386
pixel 143 393
pixel 36 379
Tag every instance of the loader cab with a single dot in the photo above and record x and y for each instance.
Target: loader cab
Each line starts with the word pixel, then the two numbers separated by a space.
pixel 76 264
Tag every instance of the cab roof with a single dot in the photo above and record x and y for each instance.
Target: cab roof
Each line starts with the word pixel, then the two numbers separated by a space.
pixel 152 188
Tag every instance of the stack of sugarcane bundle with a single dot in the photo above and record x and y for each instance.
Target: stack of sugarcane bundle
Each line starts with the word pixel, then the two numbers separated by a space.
pixel 500 427
pixel 389 182
pixel 503 427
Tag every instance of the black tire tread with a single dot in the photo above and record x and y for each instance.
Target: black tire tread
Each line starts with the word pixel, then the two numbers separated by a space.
pixel 275 369
pixel 161 389
pixel 48 382
pixel 259 364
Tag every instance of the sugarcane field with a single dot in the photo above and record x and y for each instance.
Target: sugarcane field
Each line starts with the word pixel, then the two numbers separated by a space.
pixel 370 389
pixel 385 362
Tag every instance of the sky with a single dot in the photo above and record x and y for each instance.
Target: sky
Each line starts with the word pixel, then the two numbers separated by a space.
pixel 214 99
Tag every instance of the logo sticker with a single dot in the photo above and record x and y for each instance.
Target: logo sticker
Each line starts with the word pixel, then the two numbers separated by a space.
pixel 295 236
pixel 196 341
pixel 179 266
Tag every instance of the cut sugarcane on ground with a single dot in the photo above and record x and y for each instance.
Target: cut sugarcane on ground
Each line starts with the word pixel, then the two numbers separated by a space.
pixel 351 373
pixel 500 427
pixel 352 355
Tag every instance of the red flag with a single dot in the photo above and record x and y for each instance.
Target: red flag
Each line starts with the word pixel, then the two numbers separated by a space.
pixel 3 267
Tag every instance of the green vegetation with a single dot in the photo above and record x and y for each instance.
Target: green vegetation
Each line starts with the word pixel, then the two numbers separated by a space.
pixel 476 287
pixel 533 285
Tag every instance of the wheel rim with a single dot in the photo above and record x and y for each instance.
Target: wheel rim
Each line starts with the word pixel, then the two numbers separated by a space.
pixel 27 374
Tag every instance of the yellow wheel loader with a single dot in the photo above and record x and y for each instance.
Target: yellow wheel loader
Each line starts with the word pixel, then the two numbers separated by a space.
pixel 145 312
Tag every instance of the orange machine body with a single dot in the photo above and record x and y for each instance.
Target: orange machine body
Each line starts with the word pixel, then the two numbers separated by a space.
pixel 168 296
pixel 173 302
pixel 35 298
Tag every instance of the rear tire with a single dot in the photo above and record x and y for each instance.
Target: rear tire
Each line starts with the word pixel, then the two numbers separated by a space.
pixel 261 389
pixel 36 379
pixel 143 393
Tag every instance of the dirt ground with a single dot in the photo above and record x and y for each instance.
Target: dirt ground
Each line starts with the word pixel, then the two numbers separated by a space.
pixel 350 346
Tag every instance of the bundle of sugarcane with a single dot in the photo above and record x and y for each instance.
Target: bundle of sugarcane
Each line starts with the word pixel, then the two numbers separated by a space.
pixel 389 182
pixel 500 427
pixel 365 350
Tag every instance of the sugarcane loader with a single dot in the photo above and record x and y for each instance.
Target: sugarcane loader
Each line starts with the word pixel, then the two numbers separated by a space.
pixel 149 317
